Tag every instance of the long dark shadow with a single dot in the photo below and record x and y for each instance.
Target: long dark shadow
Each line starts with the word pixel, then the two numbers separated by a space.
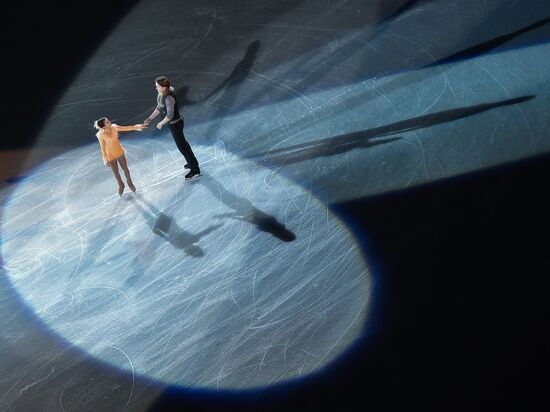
pixel 400 81
pixel 226 93
pixel 408 5
pixel 487 46
pixel 343 143
pixel 339 144
pixel 241 70
pixel 311 77
pixel 237 75
pixel 244 210
pixel 235 78
pixel 165 227
pixel 339 57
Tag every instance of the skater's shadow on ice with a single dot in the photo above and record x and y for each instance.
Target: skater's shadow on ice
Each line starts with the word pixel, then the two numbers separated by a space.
pixel 238 75
pixel 165 227
pixel 331 146
pixel 224 97
pixel 264 222
pixel 244 210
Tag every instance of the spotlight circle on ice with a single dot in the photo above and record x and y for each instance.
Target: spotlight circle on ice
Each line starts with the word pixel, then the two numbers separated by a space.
pixel 238 279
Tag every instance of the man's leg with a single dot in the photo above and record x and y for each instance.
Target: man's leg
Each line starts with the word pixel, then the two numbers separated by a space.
pixel 177 133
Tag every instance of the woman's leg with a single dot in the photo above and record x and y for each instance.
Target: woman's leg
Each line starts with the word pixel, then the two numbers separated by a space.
pixel 114 168
pixel 124 165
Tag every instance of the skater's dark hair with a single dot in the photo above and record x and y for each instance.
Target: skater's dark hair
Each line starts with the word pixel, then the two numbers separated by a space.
pixel 99 123
pixel 163 81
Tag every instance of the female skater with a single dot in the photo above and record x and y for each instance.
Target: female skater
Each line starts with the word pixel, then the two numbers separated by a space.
pixel 112 151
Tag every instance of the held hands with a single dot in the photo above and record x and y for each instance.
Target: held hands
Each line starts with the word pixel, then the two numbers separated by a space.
pixel 142 126
pixel 147 121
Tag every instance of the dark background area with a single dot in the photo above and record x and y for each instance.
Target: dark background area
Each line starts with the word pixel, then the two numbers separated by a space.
pixel 460 313
pixel 47 41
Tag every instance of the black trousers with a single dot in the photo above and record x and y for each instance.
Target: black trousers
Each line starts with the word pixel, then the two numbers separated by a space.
pixel 177 133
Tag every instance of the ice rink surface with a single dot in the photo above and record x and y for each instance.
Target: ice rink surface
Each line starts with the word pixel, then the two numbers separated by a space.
pixel 199 283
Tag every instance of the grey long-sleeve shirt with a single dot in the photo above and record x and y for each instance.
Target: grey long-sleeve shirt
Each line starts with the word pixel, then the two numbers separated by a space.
pixel 167 106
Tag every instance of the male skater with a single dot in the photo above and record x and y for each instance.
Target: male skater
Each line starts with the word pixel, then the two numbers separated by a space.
pixel 167 104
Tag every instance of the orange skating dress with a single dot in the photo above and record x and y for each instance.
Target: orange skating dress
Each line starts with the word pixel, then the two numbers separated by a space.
pixel 110 145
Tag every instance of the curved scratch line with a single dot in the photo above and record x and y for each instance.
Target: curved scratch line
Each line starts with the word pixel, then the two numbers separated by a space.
pixel 104 287
pixel 133 372
pixel 61 398
pixel 30 385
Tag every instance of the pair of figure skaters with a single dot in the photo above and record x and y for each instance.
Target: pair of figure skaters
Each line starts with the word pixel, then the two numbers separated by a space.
pixel 167 105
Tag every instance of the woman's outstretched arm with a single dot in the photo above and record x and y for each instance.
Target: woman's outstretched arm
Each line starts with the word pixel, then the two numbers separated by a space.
pixel 129 128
